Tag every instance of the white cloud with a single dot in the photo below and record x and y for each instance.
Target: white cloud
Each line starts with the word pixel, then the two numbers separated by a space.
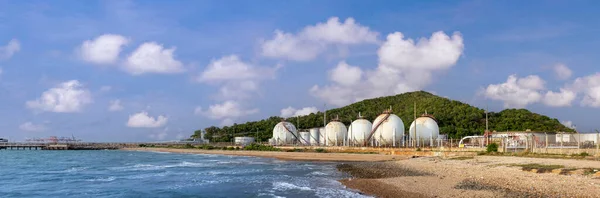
pixel 292 112
pixel 229 109
pixel 237 78
pixel 142 120
pixel 151 57
pixel 517 92
pixel 10 49
pixel 346 75
pixel 67 97
pixel 161 135
pixel 568 124
pixel 563 98
pixel 115 105
pixel 312 40
pixel 198 110
pixel 562 72
pixel 589 86
pixel 30 127
pixel 105 49
pixel 403 66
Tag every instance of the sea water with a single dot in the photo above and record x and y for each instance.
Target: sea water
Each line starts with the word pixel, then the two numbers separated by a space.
pixel 153 174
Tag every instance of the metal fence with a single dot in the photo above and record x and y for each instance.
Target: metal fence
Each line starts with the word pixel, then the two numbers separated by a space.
pixel 568 144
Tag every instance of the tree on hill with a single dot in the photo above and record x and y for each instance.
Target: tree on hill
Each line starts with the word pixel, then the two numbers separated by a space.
pixel 456 119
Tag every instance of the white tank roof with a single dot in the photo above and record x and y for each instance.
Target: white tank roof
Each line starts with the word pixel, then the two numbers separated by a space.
pixel 426 128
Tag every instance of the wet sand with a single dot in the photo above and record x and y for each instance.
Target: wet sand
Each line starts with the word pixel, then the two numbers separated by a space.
pixel 304 156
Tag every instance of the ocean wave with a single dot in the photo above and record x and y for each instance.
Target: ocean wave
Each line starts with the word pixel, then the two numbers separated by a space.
pixel 317 173
pixel 103 179
pixel 283 186
pixel 142 167
pixel 330 192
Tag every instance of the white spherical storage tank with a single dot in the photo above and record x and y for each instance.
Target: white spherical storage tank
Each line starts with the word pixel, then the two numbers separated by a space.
pixel 314 136
pixel 284 133
pixel 304 137
pixel 359 131
pixel 322 136
pixel 427 129
pixel 389 130
pixel 335 133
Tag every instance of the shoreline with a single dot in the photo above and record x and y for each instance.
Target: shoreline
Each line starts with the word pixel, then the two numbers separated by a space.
pixel 476 176
pixel 294 156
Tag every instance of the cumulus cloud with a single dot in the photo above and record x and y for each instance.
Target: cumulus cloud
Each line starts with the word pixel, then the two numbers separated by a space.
pixel 404 65
pixel 104 49
pixel 568 124
pixel 143 120
pixel 30 127
pixel 151 57
pixel 161 135
pixel 517 92
pixel 589 86
pixel 346 75
pixel 227 111
pixel 70 96
pixel 237 78
pixel 562 72
pixel 312 40
pixel 564 98
pixel 115 105
pixel 292 112
pixel 10 49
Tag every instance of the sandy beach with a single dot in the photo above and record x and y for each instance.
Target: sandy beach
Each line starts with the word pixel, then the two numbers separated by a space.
pixel 305 156
pixel 479 176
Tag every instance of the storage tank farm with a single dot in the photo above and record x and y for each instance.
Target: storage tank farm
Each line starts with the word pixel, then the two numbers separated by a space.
pixel 284 133
pixel 314 136
pixel 335 133
pixel 427 130
pixel 359 131
pixel 388 130
pixel 304 138
pixel 322 139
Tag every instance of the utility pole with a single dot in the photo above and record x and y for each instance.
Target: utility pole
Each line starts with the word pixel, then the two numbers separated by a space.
pixel 325 122
pixel 415 114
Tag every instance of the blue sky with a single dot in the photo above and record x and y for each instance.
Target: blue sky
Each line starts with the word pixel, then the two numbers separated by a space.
pixel 158 70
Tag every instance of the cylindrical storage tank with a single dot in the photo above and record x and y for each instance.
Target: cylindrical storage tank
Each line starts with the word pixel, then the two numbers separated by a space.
pixel 284 133
pixel 304 137
pixel 243 140
pixel 359 131
pixel 389 133
pixel 335 133
pixel 427 129
pixel 314 136
pixel 322 139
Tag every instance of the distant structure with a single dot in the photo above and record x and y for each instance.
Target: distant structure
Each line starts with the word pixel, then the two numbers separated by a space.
pixel 336 133
pixel 284 133
pixel 359 131
pixel 243 141
pixel 424 129
pixel 388 130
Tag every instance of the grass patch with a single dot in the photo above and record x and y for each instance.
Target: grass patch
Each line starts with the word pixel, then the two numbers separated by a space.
pixel 541 168
pixel 259 147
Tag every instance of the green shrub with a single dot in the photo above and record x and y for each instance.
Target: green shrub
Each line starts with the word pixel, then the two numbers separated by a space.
pixel 418 149
pixel 320 150
pixel 142 145
pixel 493 147
pixel 259 147
pixel 188 146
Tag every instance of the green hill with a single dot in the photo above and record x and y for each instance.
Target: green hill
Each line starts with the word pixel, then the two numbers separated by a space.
pixel 455 118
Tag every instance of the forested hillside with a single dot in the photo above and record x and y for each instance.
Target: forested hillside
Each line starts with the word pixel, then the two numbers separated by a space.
pixel 455 118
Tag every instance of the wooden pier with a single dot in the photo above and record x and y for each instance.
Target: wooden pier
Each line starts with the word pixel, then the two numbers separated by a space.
pixel 78 145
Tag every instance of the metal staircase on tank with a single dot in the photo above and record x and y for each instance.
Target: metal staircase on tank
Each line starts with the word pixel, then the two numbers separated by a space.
pixel 388 113
pixel 284 126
